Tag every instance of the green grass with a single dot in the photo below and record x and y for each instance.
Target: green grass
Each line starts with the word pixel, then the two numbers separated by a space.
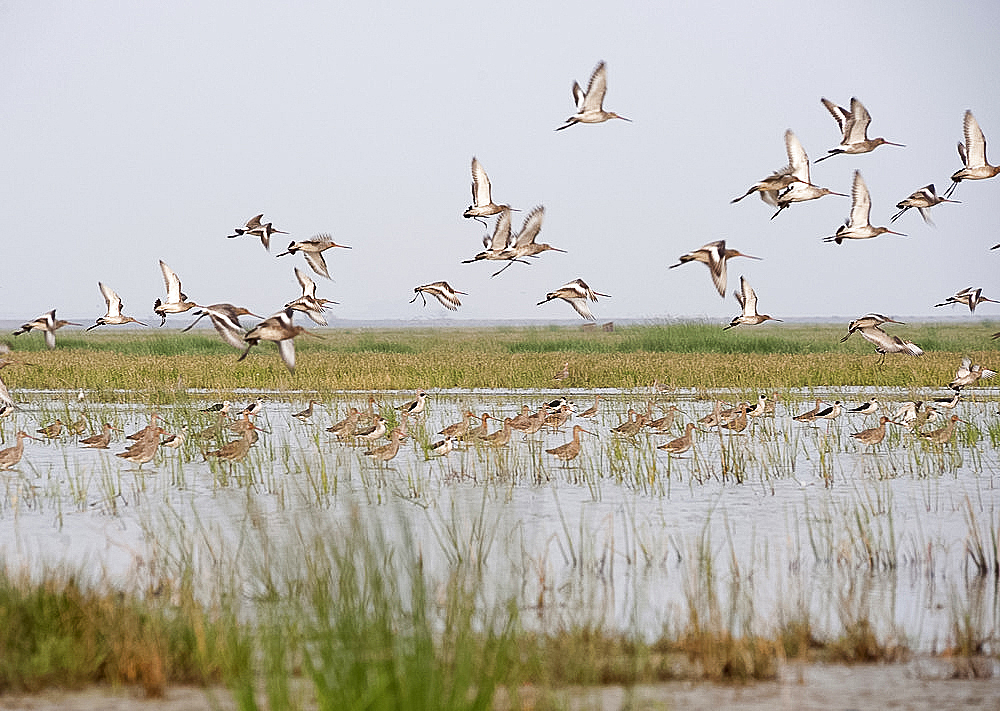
pixel 159 364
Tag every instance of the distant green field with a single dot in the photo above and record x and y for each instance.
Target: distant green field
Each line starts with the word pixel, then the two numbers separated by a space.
pixel 162 364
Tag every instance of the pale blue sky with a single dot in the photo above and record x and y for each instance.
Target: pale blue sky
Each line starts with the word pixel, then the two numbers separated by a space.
pixel 133 132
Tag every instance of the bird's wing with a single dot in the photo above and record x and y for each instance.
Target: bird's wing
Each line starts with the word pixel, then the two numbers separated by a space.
pixel 114 303
pixel 446 295
pixel 861 202
pixel 318 263
pixel 840 115
pixel 501 232
pixel 286 349
pixel 532 226
pixel 857 128
pixel 975 142
pixel 596 89
pixel 254 222
pixel 798 161
pixel 172 283
pixel 5 397
pixel 50 339
pixel 580 304
pixel 480 185
pixel 306 282
pixel 749 300
pixel 578 95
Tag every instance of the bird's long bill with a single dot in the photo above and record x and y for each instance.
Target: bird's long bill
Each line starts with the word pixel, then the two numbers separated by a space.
pixel 588 432
pixel 898 234
pixel 282 254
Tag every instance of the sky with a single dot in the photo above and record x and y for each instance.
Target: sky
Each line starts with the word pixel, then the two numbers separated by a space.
pixel 135 132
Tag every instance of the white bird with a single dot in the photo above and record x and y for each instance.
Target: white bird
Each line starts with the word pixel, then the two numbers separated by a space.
pixel 967 374
pixel 482 198
pixel 884 343
pixel 714 255
pixel 313 249
pixel 524 245
pixel 747 299
pixel 176 302
pixel 858 226
pixel 854 126
pixel 801 189
pixel 589 105
pixel 973 155
pixel 575 293
pixel 441 290
pixel 923 199
pixel 114 315
pixel 501 240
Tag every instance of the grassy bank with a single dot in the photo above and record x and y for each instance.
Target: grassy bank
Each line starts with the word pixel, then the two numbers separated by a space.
pixel 162 364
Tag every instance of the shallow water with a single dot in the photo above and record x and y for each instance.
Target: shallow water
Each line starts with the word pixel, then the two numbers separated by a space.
pixel 783 518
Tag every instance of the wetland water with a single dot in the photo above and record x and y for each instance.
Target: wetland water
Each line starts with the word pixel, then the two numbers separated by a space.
pixel 781 519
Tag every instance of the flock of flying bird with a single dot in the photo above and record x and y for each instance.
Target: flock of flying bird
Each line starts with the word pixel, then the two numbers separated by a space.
pixel 781 189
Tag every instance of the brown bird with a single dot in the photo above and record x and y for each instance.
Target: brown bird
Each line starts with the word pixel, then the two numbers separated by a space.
pixel 345 428
pixel 12 455
pixel 746 297
pixel 571 449
pixel 51 431
pixel 714 255
pixel 280 329
pixel 144 449
pixel 386 451
pixel 681 444
pixel 47 323
pixel 236 450
pixel 973 154
pixel 100 441
pixel 562 374
pixel 944 434
pixel 811 414
pixel 873 435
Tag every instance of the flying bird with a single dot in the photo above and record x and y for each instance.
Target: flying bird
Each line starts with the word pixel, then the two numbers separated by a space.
pixel 226 319
pixel 968 374
pixel 923 199
pixel 858 226
pixel 313 249
pixel 482 198
pixel 499 242
pixel 114 315
pixel 801 189
pixel 254 228
pixel 442 291
pixel 309 304
pixel 884 343
pixel 589 105
pixel 47 323
pixel 575 293
pixel 854 125
pixel 280 329
pixel 176 302
pixel 747 299
pixel 714 255
pixel 867 321
pixel 524 245
pixel 973 155
pixel 968 296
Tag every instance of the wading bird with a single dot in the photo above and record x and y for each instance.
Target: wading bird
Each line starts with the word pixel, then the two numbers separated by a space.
pixel 304 415
pixel 563 373
pixel 923 199
pixel 968 296
pixel 866 408
pixel 415 406
pixel 800 190
pixel 387 451
pixel 571 449
pixel 714 255
pixel 47 323
pixel 99 441
pixel 590 105
pixel 236 450
pixel 575 293
pixel 280 329
pixel 747 299
pixel 313 249
pixel 482 199
pixel 944 434
pixel 176 302
pixel 10 456
pixel 442 291
pixel 226 319
pixel 873 435
pixel 680 444
pixel 854 127
pixel 973 155
pixel 858 226
pixel 114 315
pixel 51 431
